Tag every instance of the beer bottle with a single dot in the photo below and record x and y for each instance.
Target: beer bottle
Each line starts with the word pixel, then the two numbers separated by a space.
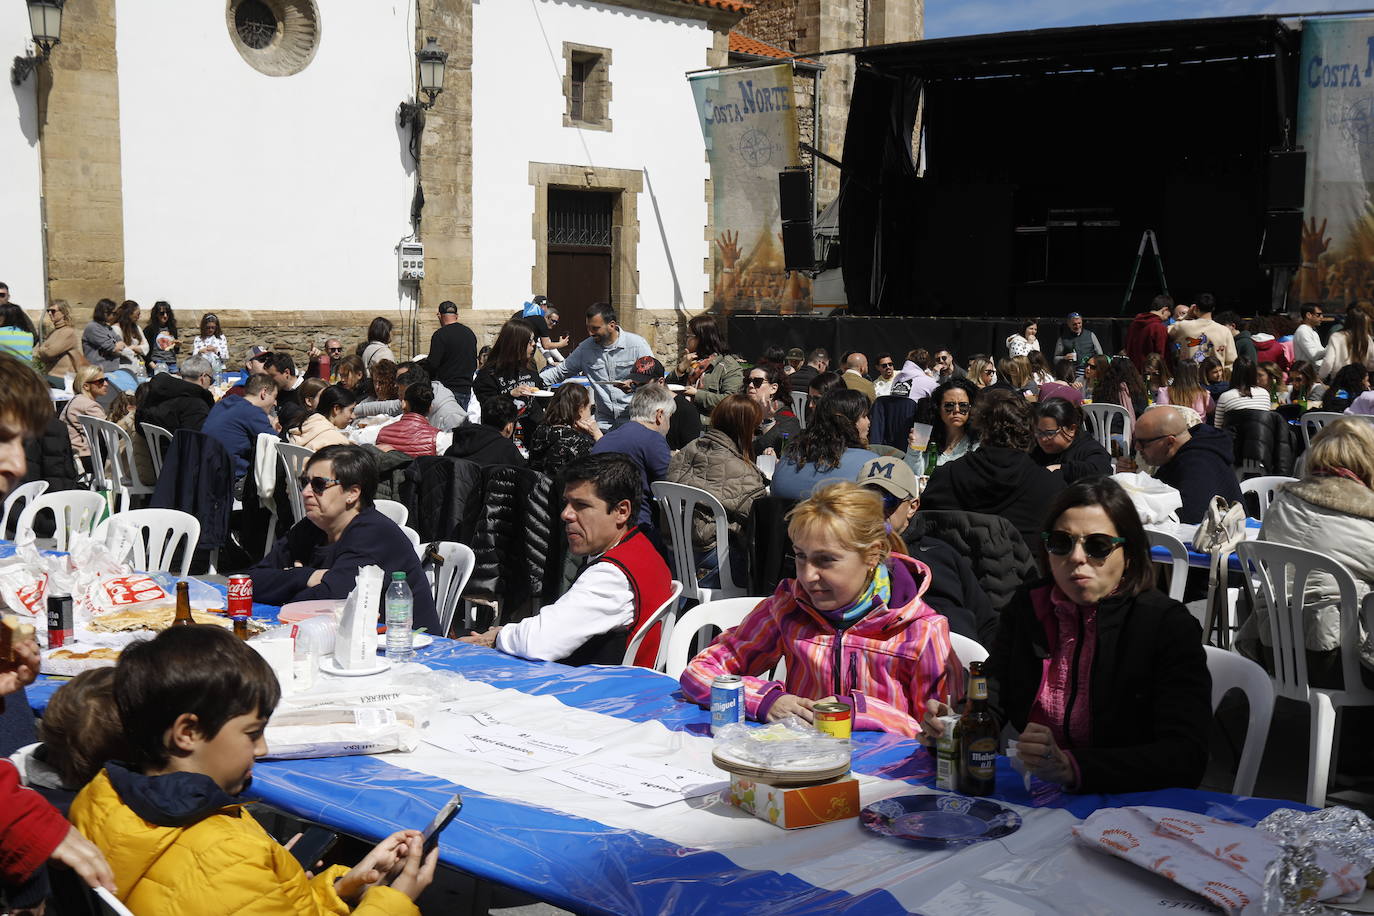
pixel 977 737
pixel 241 627
pixel 183 617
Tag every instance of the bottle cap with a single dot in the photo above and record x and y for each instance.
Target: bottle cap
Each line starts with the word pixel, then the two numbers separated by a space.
pixel 397 575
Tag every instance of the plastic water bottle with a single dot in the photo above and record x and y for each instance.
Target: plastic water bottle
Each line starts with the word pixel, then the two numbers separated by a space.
pixel 400 608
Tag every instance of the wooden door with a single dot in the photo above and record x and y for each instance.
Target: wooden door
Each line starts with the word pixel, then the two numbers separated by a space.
pixel 580 256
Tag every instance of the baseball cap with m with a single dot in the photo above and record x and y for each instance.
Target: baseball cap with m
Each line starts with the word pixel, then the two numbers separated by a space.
pixel 892 475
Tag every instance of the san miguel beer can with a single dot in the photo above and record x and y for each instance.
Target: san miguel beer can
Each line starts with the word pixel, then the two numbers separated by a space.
pixel 240 596
pixel 834 719
pixel 727 701
pixel 59 620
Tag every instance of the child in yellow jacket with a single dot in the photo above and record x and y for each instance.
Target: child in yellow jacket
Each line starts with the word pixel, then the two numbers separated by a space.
pixel 194 702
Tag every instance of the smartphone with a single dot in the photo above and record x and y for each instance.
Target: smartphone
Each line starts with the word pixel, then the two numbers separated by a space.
pixel 441 820
pixel 107 904
pixel 314 843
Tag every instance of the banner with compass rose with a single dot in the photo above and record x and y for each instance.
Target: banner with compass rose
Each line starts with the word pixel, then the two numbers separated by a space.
pixel 749 120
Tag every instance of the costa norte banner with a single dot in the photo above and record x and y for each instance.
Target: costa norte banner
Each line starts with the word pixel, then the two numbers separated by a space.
pixel 1336 127
pixel 749 120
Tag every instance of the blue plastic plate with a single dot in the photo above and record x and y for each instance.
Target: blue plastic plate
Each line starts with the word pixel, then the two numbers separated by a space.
pixel 945 820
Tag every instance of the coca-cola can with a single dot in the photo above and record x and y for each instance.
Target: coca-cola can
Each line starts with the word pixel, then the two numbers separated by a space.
pixel 59 620
pixel 240 596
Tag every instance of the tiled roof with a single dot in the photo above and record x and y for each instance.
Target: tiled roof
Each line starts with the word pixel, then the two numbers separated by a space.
pixel 730 6
pixel 743 44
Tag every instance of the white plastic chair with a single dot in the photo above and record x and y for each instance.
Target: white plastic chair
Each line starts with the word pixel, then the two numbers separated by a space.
pixel 677 503
pixel 967 650
pixel 294 458
pixel 666 615
pixel 723 614
pixel 1313 421
pixel 75 510
pixel 799 407
pixel 414 537
pixel 1178 560
pixel 111 444
pixel 393 510
pixel 21 494
pixel 448 579
pixel 1277 576
pixel 159 533
pixel 1099 418
pixel 1236 672
pixel 159 440
pixel 1265 489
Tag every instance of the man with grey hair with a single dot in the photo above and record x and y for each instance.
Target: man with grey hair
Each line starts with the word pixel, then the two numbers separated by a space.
pixel 643 439
pixel 180 401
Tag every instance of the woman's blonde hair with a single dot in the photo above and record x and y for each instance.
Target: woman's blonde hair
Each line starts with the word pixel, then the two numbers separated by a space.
pixel 1344 443
pixel 846 514
pixel 84 376
pixel 976 368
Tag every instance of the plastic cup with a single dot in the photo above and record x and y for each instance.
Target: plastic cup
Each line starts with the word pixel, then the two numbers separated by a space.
pixel 920 436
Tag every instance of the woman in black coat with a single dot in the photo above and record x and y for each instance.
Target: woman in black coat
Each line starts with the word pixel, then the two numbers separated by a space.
pixel 1103 677
pixel 1063 446
pixel 341 533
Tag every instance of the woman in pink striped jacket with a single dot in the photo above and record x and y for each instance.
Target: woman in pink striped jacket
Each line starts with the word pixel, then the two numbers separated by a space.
pixel 852 625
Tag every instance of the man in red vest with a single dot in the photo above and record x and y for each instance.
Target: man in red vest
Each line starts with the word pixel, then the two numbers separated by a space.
pixel 622 584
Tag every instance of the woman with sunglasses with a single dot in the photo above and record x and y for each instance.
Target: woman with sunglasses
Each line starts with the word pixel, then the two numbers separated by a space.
pixel 982 372
pixel 833 446
pixel 90 385
pixel 852 625
pixel 341 533
pixel 135 345
pixel 766 386
pixel 1062 448
pixel 1101 674
pixel 60 352
pixel 162 336
pixel 708 368
pixel 951 438
pixel 211 342
pixel 326 424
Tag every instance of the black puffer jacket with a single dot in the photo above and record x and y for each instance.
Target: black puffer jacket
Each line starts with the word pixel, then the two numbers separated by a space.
pixel 50 457
pixel 198 477
pixel 999 557
pixel 511 543
pixel 174 403
pixel 955 591
pixel 444 496
pixel 998 481
pixel 1263 438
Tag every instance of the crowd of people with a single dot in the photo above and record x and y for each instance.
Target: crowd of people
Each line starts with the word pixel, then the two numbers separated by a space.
pixel 866 610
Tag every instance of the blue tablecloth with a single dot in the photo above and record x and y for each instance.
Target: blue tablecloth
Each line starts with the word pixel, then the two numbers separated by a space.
pixel 585 866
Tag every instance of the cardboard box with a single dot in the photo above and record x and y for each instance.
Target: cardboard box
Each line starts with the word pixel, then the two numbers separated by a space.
pixel 802 806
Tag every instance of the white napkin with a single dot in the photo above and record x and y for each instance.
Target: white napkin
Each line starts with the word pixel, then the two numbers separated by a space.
pixel 356 645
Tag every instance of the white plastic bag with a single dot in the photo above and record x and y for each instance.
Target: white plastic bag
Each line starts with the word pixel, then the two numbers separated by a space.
pixel 341 731
pixel 1154 500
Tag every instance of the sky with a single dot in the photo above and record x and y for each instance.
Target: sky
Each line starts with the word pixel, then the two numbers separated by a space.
pixel 973 17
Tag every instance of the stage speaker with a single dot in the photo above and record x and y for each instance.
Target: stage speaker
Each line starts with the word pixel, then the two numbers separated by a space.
pixel 1287 179
pixel 1282 245
pixel 794 194
pixel 798 245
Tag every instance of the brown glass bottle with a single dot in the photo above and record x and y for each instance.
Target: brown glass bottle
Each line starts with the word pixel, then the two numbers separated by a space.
pixel 977 737
pixel 183 617
pixel 241 627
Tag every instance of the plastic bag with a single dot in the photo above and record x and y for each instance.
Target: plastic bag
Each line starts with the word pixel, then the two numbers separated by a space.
pixel 1154 501
pixel 789 743
pixel 342 731
pixel 203 597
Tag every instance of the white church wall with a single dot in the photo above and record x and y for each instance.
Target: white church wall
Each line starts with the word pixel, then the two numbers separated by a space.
pixel 248 191
pixel 21 176
pixel 517 114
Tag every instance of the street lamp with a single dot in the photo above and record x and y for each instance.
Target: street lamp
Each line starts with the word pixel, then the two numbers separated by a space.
pixel 432 59
pixel 45 21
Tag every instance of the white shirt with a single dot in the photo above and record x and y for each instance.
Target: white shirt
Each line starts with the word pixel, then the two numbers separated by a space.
pixel 883 387
pixel 1307 344
pixel 598 602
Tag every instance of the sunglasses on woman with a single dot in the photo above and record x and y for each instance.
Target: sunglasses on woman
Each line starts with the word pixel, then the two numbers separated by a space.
pixel 757 382
pixel 1096 546
pixel 318 484
pixel 954 407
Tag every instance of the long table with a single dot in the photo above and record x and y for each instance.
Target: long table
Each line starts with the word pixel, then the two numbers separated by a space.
pixel 579 862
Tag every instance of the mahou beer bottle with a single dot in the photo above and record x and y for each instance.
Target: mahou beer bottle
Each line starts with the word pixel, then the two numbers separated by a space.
pixel 977 736
pixel 183 617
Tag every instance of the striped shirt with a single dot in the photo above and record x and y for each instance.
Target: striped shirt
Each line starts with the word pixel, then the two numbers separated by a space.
pixel 887 665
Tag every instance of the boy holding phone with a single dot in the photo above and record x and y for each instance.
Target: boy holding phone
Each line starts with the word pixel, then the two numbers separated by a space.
pixel 194 702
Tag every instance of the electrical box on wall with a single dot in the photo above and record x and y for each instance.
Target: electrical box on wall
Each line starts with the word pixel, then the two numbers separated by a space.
pixel 412 255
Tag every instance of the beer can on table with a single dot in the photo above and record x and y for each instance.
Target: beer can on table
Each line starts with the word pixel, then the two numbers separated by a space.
pixel 834 719
pixel 59 620
pixel 727 701
pixel 240 596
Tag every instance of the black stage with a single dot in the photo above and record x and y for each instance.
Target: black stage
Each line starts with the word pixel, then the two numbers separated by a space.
pixel 1049 152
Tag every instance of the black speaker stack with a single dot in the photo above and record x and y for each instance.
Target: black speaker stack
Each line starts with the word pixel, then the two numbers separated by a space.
pixel 1282 245
pixel 798 235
